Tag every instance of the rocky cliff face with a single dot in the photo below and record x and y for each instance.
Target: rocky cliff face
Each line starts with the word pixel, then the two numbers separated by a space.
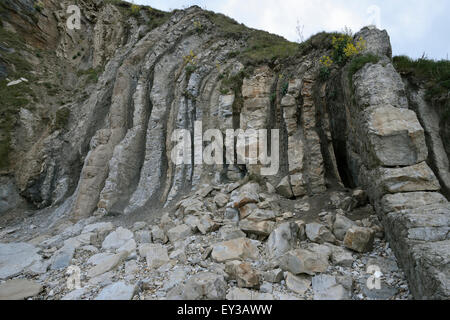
pixel 87 134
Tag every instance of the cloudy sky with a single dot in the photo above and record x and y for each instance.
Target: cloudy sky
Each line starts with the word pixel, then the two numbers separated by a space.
pixel 415 26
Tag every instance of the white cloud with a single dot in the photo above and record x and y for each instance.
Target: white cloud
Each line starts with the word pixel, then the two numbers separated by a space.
pixel 414 25
pixel 281 17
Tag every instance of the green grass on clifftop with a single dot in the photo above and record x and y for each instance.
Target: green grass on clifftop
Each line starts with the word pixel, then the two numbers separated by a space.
pixel 435 75
pixel 262 46
pixel 155 17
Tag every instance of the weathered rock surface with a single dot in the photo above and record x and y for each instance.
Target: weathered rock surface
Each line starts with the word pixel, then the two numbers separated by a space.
pixel 117 291
pixel 282 240
pixel 155 254
pixel 297 284
pixel 341 226
pixel 117 239
pixel 203 286
pixel 318 233
pixel 237 249
pixel 304 261
pixel 410 200
pixel 239 294
pixel 15 257
pixel 179 233
pixel 326 288
pixel 107 264
pixel 19 289
pixel 246 276
pixel 407 179
pixel 395 136
pixel 359 239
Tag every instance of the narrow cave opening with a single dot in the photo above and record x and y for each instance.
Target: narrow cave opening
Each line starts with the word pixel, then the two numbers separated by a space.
pixel 342 163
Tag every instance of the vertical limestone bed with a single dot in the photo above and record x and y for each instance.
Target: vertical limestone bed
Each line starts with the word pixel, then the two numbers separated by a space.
pixel 387 150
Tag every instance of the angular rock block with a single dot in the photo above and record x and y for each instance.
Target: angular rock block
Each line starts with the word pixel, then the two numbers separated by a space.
pixel 430 223
pixel 410 200
pixel 359 239
pixel 236 249
pixel 395 137
pixel 418 177
pixel 379 85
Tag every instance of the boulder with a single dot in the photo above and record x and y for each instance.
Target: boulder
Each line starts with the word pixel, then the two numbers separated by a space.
pixel 100 227
pixel 304 261
pixel 240 294
pixel 284 188
pixel 341 257
pixel 191 206
pixel 298 185
pixel 229 232
pixel 377 41
pixel 140 225
pixel 62 258
pixel 117 291
pixel 326 287
pixel 206 225
pixel 262 228
pixel 19 289
pixel 178 255
pixel 281 240
pixel 246 276
pixel 273 276
pixel 180 232
pixel 231 214
pixel 246 210
pixel 158 235
pixel 202 286
pixel 117 239
pixel 318 233
pixel 341 226
pixel 259 215
pixel 248 193
pixel 359 239
pixel 297 284
pixel 143 236
pixel 107 264
pixel 74 295
pixel 236 249
pixel 15 257
pixel 155 254
pixel 221 200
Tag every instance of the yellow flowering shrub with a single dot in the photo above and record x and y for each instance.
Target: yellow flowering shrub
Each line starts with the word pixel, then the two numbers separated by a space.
pixel 326 61
pixel 135 9
pixel 350 50
pixel 344 48
pixel 198 26
pixel 361 45
pixel 191 58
